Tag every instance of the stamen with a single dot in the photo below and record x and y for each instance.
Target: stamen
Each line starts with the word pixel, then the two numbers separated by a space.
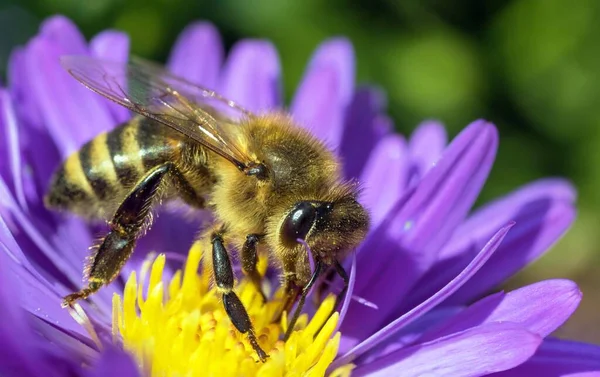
pixel 182 328
pixel 116 318
pixel 146 264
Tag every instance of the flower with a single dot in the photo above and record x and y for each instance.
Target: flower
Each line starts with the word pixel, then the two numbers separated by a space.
pixel 425 264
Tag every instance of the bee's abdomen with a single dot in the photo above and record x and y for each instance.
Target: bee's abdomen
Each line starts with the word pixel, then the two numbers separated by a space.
pixel 126 153
pixel 69 188
pixel 92 181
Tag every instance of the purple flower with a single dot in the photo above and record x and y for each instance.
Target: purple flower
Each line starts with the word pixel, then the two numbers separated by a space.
pixel 425 264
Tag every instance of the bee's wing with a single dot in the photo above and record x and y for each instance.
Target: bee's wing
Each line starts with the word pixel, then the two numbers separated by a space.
pixel 148 89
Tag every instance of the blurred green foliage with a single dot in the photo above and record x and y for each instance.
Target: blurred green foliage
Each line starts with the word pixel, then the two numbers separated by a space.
pixel 530 66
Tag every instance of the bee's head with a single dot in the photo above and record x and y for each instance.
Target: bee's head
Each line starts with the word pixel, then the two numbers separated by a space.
pixel 330 227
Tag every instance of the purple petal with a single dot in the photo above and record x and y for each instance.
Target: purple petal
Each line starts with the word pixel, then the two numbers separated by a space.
pixel 39 151
pixel 392 328
pixel 349 292
pixel 326 91
pixel 540 308
pixel 539 225
pixel 384 176
pixel 79 350
pixel 36 149
pixel 446 193
pixel 16 356
pixel 24 351
pixel 426 145
pixel 19 85
pixel 541 210
pixel 64 33
pixel 523 200
pixel 364 126
pixel 10 166
pixel 409 334
pixel 422 221
pixel 72 113
pixel 41 291
pixel 14 252
pixel 251 76
pixel 40 298
pixel 198 54
pixel 65 265
pixel 114 362
pixel 474 352
pixel 112 45
pixel 560 358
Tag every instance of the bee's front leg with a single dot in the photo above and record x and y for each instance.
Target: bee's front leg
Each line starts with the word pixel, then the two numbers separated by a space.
pixel 290 294
pixel 305 291
pixel 224 279
pixel 249 259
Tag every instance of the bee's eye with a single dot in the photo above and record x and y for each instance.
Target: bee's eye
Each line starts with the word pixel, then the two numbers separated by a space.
pixel 298 222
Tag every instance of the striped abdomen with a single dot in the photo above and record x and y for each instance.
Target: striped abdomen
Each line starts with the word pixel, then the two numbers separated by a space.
pixel 94 180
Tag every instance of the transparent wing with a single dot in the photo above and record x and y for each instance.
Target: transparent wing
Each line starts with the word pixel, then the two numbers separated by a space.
pixel 150 90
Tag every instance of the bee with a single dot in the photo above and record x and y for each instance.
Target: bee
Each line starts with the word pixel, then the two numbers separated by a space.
pixel 270 184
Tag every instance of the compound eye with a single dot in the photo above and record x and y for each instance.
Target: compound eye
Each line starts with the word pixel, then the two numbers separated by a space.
pixel 298 222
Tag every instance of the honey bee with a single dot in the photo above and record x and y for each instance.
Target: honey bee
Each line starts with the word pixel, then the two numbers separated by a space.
pixel 270 184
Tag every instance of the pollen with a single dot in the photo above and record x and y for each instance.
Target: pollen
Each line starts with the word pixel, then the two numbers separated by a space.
pixel 178 327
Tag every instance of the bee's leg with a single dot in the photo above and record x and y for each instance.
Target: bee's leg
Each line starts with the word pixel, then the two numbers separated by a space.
pixel 223 274
pixel 249 260
pixel 290 294
pixel 291 291
pixel 125 227
pixel 303 294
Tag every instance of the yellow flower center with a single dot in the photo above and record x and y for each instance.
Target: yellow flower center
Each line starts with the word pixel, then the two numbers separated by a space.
pixel 181 328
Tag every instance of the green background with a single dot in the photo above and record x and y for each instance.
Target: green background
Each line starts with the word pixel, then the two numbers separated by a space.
pixel 530 66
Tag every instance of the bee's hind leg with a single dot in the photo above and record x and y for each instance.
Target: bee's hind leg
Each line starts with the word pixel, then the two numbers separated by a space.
pixel 125 226
pixel 223 274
